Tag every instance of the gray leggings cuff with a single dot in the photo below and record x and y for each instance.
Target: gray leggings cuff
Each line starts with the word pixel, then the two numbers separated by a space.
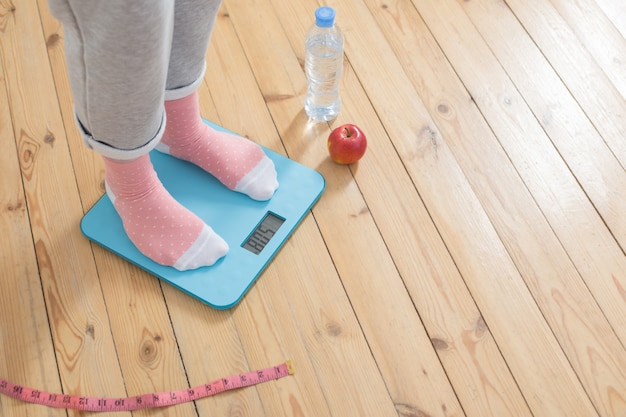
pixel 120 154
pixel 182 92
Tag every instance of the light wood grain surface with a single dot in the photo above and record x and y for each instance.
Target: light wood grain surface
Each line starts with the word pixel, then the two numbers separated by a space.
pixel 471 264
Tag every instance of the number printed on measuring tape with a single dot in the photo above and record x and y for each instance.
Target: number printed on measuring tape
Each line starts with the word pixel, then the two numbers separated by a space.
pixel 152 400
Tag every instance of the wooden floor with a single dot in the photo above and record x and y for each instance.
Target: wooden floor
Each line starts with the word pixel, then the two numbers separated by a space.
pixel 472 264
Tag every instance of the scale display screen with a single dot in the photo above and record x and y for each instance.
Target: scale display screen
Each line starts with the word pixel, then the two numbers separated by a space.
pixel 263 233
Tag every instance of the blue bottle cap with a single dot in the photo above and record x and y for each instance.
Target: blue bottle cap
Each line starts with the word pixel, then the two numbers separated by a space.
pixel 325 17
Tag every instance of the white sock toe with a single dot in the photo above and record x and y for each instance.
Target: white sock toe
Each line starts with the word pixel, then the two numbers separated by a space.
pixel 208 248
pixel 261 182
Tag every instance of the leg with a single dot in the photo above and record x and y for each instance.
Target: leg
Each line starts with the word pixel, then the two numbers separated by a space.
pixel 118 53
pixel 193 25
pixel 238 163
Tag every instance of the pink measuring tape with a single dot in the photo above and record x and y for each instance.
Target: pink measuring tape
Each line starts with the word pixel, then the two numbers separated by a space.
pixel 154 400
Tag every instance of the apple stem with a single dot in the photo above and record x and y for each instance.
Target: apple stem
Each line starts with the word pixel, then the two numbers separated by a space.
pixel 348 134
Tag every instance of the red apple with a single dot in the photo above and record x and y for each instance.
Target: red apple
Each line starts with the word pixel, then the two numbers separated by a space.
pixel 346 144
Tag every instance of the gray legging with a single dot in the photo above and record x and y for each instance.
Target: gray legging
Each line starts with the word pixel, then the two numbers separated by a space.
pixel 124 58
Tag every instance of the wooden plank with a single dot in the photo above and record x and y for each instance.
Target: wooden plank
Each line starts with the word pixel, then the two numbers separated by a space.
pixel 285 101
pixel 445 190
pixel 547 269
pixel 424 396
pixel 146 343
pixel 575 137
pixel 466 348
pixel 86 355
pixel 26 352
pixel 595 168
pixel 210 348
pixel 616 12
pixel 604 42
pixel 595 94
pixel 271 332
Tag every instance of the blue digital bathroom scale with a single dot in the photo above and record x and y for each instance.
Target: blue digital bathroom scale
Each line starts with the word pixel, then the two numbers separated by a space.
pixel 254 230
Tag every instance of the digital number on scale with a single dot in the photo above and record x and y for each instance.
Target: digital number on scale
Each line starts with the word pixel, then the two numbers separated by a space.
pixel 263 233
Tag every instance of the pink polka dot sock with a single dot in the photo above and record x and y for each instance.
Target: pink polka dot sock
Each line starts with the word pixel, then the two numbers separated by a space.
pixel 159 226
pixel 238 163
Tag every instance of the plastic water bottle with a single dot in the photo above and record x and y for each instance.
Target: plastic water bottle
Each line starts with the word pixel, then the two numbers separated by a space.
pixel 323 65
